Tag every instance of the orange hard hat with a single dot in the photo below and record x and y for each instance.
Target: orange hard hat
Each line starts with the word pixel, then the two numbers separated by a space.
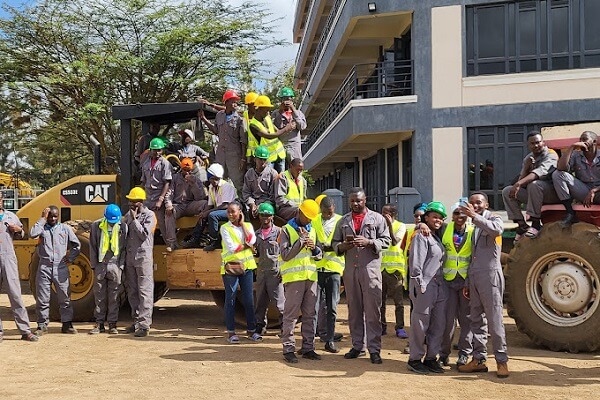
pixel 187 164
pixel 230 94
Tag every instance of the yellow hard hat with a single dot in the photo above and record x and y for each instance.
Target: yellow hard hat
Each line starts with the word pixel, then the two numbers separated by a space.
pixel 310 209
pixel 250 98
pixel 137 193
pixel 263 101
pixel 320 198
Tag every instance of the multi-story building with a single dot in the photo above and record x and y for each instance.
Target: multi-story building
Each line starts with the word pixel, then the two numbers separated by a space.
pixel 439 95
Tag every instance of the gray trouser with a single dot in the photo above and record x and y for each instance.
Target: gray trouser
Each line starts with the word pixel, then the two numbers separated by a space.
pixel 328 299
pixel 486 289
pixel 160 218
pixel 107 282
pixel 569 187
pixel 269 289
pixel 300 297
pixel 46 276
pixel 363 294
pixel 457 307
pixel 9 274
pixel 287 213
pixel 427 319
pixel 139 280
pixel 293 150
pixel 536 194
pixel 231 164
pixel 393 286
pixel 180 210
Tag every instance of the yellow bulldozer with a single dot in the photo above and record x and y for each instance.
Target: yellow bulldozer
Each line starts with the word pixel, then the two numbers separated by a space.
pixel 82 199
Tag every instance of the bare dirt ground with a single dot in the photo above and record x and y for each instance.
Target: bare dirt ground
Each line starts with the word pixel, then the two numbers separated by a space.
pixel 187 357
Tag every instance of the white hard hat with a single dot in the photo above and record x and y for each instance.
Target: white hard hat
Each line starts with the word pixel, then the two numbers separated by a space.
pixel 216 170
pixel 190 133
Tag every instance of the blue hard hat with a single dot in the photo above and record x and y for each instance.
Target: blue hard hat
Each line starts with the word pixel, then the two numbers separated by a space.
pixel 112 213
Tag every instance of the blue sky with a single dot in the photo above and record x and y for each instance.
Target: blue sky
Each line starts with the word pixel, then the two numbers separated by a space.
pixel 282 10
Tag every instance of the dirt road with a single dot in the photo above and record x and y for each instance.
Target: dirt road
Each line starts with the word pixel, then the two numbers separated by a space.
pixel 187 357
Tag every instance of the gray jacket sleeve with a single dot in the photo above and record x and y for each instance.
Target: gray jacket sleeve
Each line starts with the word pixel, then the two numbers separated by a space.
pixel 490 224
pixel 547 164
pixel 94 244
pixel 418 254
pixel 281 189
pixel 123 245
pixel 247 190
pixel 38 228
pixel 383 239
pixel 338 237
pixel 74 244
pixel 300 120
pixel 289 251
pixel 142 230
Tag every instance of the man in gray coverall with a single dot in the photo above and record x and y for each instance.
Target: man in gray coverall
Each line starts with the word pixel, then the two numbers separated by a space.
pixel 11 227
pixel 484 286
pixel 108 239
pixel 534 186
pixel 55 239
pixel 139 265
pixel 360 236
pixel 286 114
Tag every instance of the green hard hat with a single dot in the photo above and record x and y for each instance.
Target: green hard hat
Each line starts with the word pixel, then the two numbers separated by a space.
pixel 266 208
pixel 437 207
pixel 261 152
pixel 157 144
pixel 286 92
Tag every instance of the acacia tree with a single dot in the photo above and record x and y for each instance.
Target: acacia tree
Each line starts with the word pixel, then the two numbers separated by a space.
pixel 64 63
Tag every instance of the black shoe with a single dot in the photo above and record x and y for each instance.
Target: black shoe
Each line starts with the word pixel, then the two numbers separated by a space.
pixel 130 329
pixel 434 366
pixel 337 337
pixel 569 220
pixel 28 337
pixel 445 361
pixel 41 330
pixel 353 353
pixel 375 358
pixel 190 243
pixel 290 357
pixel 215 245
pixel 67 327
pixel 142 332
pixel 330 348
pixel 417 366
pixel 311 355
pixel 112 328
pixel 98 328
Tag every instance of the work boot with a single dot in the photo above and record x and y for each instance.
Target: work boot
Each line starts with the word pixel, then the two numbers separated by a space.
pixel 502 370
pixel 337 337
pixel 330 347
pixel 142 332
pixel 290 357
pixel 353 353
pixel 417 366
pixel 261 330
pixel 192 242
pixel 311 355
pixel 445 360
pixel 112 328
pixel 569 220
pixel 98 328
pixel 474 365
pixel 67 327
pixel 375 358
pixel 131 329
pixel 28 337
pixel 42 329
pixel 434 366
pixel 214 245
pixel 462 360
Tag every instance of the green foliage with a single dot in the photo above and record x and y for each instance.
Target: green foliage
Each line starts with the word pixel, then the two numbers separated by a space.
pixel 64 63
pixel 283 77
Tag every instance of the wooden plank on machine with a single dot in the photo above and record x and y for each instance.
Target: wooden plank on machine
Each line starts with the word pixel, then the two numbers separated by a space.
pixel 194 269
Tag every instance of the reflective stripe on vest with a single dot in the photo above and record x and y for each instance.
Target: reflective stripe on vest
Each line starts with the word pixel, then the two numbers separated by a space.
pixel 331 261
pixel 245 256
pixel 302 267
pixel 393 258
pixel 295 192
pixel 275 147
pixel 456 262
pixel 252 142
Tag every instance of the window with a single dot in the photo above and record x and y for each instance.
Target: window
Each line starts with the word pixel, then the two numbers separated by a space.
pixel 533 35
pixel 393 170
pixel 495 155
pixel 407 163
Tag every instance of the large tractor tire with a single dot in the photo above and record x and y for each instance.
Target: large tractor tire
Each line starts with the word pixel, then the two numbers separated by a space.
pixel 81 277
pixel 553 287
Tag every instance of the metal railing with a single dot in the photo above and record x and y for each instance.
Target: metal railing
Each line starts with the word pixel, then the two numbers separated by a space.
pixel 321 45
pixel 365 81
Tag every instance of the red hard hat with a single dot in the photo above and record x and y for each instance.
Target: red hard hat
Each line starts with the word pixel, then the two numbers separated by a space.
pixel 230 94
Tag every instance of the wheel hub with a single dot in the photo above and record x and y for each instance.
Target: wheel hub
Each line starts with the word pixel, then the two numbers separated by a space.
pixel 566 287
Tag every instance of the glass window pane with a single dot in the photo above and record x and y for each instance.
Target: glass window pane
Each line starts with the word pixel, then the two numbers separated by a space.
pixel 490 31
pixel 527 33
pixel 492 68
pixel 528 65
pixel 560 63
pixel 486 168
pixel 514 160
pixel 592 25
pixel 592 61
pixel 560 29
pixel 470 33
pixel 472 169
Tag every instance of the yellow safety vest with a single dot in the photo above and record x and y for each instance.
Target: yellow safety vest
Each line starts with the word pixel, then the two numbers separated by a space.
pixel 331 261
pixel 393 258
pixel 252 142
pixel 245 256
pixel 302 267
pixel 409 234
pixel 295 192
pixel 275 147
pixel 456 262
pixel 107 242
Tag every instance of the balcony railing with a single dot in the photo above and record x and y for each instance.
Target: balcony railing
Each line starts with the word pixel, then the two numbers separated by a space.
pixel 321 45
pixel 365 81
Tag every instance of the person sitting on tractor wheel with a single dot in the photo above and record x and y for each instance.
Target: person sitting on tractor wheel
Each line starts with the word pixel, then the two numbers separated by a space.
pixel 533 187
pixel 582 158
